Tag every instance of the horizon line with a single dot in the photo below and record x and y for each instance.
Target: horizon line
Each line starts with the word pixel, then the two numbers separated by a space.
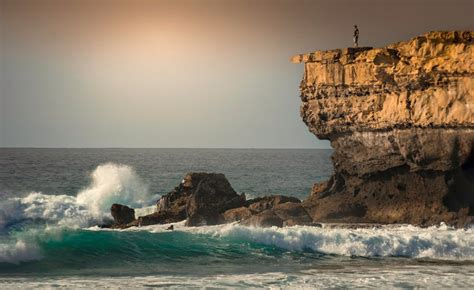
pixel 233 148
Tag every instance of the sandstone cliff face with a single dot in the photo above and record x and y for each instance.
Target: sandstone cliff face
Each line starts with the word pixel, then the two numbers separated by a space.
pixel 401 122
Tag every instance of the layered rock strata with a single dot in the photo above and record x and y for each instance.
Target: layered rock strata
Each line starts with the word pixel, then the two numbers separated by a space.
pixel 401 122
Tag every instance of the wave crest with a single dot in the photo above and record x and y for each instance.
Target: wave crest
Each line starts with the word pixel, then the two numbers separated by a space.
pixel 110 183
pixel 437 242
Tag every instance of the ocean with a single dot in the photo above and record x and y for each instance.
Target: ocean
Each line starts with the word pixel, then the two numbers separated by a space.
pixel 52 200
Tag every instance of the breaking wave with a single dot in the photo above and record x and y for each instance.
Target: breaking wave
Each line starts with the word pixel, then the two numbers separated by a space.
pixel 19 251
pixel 110 183
pixel 158 246
pixel 50 227
pixel 436 242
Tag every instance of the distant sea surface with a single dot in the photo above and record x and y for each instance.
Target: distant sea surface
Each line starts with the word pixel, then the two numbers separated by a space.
pixel 51 200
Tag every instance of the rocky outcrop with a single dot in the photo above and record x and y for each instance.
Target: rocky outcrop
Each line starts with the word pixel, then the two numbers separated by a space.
pixel 212 196
pixel 200 199
pixel 274 210
pixel 283 214
pixel 401 122
pixel 123 215
pixel 209 199
pixel 260 204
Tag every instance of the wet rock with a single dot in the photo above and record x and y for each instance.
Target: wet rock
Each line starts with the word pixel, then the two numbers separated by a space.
pixel 292 214
pixel 260 204
pixel 266 218
pixel 161 217
pixel 212 196
pixel 209 199
pixel 283 214
pixel 200 199
pixel 237 214
pixel 122 214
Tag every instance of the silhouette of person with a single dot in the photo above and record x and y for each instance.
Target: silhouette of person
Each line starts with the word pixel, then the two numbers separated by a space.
pixel 356 36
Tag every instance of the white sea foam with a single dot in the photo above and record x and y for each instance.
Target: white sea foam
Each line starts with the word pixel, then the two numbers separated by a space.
pixel 141 211
pixel 436 242
pixel 18 251
pixel 407 241
pixel 380 277
pixel 110 183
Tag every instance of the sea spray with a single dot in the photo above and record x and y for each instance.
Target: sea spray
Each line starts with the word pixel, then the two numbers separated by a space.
pixel 49 252
pixel 112 183
pixel 26 221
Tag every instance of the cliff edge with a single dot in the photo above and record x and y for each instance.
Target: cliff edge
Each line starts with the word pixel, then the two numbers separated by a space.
pixel 401 122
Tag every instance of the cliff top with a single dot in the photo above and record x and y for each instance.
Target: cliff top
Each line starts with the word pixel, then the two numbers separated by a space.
pixel 415 47
pixel 427 81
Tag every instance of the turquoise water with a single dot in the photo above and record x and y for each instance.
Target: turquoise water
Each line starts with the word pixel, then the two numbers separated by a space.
pixel 52 198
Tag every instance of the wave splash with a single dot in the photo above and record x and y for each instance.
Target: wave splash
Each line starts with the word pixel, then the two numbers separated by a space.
pixel 110 183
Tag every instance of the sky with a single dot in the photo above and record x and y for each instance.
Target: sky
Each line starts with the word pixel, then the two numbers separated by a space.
pixel 187 74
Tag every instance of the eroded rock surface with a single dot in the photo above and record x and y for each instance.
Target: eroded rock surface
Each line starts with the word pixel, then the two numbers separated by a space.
pixel 123 215
pixel 212 196
pixel 209 199
pixel 401 122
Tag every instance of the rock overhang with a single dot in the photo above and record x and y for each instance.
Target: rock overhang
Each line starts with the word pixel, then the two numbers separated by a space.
pixel 401 121
pixel 427 81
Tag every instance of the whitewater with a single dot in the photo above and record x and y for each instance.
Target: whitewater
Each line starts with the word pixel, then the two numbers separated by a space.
pixel 53 240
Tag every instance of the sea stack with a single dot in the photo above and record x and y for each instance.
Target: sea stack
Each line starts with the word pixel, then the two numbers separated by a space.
pixel 401 122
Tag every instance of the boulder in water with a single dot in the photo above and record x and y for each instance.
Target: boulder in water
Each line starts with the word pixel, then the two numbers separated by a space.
pixel 283 214
pixel 200 198
pixel 212 196
pixel 260 204
pixel 122 214
pixel 267 218
pixel 237 214
pixel 209 199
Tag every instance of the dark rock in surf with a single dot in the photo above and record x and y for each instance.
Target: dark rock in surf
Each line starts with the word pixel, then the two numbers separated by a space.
pixel 292 214
pixel 282 214
pixel 267 218
pixel 212 196
pixel 209 199
pixel 200 199
pixel 237 214
pixel 260 204
pixel 122 214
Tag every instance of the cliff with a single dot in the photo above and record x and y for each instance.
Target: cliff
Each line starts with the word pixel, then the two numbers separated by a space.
pixel 401 122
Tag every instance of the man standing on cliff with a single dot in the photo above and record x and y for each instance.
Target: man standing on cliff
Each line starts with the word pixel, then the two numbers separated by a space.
pixel 356 36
